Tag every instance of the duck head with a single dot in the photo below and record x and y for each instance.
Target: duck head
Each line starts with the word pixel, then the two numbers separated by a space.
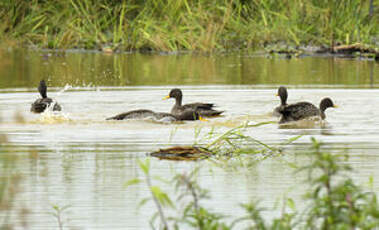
pixel 175 93
pixel 282 93
pixel 326 103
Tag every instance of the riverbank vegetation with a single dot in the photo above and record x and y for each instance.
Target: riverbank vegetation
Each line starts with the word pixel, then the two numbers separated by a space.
pixel 174 25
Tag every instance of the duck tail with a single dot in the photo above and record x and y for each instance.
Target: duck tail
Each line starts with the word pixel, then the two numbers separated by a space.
pixel 218 113
pixel 207 106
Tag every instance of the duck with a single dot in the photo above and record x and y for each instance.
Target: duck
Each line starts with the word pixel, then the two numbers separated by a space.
pixel 303 110
pixel 42 103
pixel 145 113
pixel 204 109
pixel 282 93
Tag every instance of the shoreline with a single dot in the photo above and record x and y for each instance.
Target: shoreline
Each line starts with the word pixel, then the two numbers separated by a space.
pixel 353 51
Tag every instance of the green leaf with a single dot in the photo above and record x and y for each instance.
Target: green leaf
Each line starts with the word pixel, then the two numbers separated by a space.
pixel 164 180
pixel 292 139
pixel 371 181
pixel 132 182
pixel 156 191
pixel 143 202
pixel 145 166
pixel 291 204
pixel 161 196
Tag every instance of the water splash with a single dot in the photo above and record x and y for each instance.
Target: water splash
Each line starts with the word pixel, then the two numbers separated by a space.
pixel 65 88
pixel 53 117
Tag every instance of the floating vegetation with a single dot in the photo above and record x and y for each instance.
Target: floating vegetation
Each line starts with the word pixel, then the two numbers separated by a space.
pixel 182 153
pixel 229 144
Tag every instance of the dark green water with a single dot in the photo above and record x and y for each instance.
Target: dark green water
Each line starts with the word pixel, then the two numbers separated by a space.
pixel 24 69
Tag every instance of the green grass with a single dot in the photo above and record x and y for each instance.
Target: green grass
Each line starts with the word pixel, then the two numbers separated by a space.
pixel 172 25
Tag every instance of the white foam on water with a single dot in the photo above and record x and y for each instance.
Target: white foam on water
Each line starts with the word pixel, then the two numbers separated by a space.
pixel 53 117
pixel 65 88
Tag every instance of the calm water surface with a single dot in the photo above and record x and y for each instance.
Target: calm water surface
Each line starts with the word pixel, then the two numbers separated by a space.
pixel 77 158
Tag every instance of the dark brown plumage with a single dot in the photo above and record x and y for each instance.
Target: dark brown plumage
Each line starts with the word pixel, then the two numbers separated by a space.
pixel 204 109
pixel 302 110
pixel 42 103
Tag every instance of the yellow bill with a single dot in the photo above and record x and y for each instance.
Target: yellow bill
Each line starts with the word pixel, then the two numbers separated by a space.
pixel 202 118
pixel 335 106
pixel 166 97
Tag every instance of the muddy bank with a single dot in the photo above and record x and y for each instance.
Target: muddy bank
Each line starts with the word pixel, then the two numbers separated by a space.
pixel 357 50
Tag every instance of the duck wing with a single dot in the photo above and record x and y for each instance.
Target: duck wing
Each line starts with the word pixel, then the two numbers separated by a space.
pixel 165 116
pixel 198 105
pixel 298 111
pixel 134 114
pixel 209 113
pixel 204 109
pixel 42 103
pixel 188 115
